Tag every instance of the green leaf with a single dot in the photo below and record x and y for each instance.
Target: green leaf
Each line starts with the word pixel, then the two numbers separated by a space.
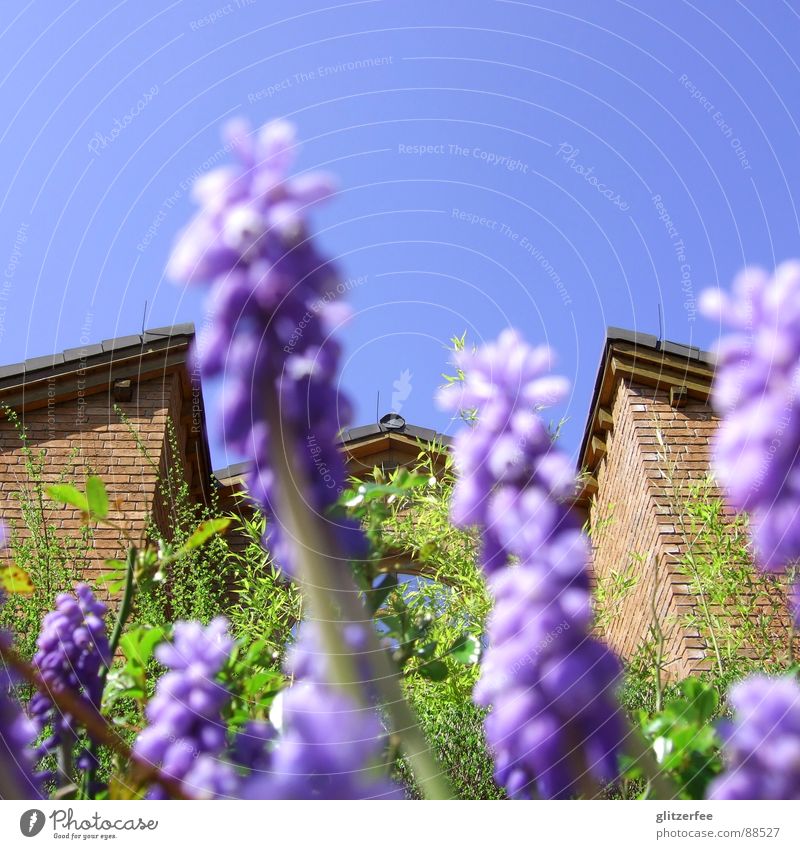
pixel 466 649
pixel 378 594
pixel 703 699
pixel 63 493
pixel 433 670
pixel 204 532
pixel 138 645
pixel 393 623
pixel 97 497
pixel 14 579
pixel 427 650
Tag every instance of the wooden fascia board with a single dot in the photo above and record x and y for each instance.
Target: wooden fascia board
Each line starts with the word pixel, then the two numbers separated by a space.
pixel 665 360
pixel 661 379
pixel 63 386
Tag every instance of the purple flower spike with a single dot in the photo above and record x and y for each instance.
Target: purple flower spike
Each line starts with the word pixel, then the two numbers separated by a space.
pixel 757 449
pixel 551 688
pixel 72 650
pixel 329 747
pixel 762 744
pixel 186 735
pixel 273 300
pixel 17 735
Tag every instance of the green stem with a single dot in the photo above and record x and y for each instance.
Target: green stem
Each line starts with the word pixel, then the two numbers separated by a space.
pixel 333 597
pixel 113 645
pixel 659 785
pixel 124 608
pixel 659 632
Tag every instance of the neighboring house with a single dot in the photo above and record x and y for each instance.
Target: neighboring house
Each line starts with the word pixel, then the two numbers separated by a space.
pixel 67 405
pixel 70 406
pixel 649 426
pixel 648 420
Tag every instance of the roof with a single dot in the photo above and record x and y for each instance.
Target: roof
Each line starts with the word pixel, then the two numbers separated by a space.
pixel 72 359
pixel 650 361
pixel 89 369
pixel 389 442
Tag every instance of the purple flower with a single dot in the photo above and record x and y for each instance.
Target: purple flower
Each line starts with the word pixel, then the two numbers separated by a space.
pixel 17 735
pixel 762 744
pixel 329 746
pixel 17 732
pixel 757 448
pixel 550 686
pixel 273 302
pixel 272 299
pixel 186 736
pixel 72 650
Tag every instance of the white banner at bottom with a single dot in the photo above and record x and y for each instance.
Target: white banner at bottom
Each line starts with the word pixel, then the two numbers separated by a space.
pixel 393 825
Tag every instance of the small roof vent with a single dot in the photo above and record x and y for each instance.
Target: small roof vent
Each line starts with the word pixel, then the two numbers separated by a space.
pixel 393 421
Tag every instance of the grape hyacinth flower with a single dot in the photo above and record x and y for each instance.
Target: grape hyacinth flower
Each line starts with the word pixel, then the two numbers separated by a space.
pixel 329 746
pixel 17 731
pixel 17 736
pixel 551 687
pixel 273 300
pixel 757 448
pixel 186 736
pixel 72 649
pixel 762 744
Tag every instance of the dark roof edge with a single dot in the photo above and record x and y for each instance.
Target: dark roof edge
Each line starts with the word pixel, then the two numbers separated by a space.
pixel 351 436
pixel 640 340
pixel 647 340
pixel 118 346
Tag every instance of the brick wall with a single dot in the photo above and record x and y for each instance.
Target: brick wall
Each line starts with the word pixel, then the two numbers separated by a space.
pixel 634 520
pixel 93 438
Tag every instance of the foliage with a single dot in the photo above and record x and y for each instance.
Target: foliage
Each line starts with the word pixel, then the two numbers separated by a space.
pixel 265 607
pixel 454 728
pixel 421 579
pixel 423 586
pixel 49 558
pixel 684 738
pixel 197 585
pixel 742 612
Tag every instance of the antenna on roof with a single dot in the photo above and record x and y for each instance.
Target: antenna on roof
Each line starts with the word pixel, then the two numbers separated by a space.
pixel 144 316
pixel 660 325
pixel 378 407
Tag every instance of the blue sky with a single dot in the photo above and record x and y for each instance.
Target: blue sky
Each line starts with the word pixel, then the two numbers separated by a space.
pixel 558 166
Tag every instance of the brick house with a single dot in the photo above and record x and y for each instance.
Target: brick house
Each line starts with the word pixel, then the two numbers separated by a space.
pixel 70 406
pixel 645 390
pixel 66 404
pixel 648 435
